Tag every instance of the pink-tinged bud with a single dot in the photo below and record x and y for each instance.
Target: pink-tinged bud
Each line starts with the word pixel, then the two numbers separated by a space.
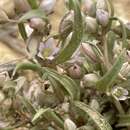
pixel 101 4
pixel 22 6
pixel 75 71
pixel 66 24
pixel 36 23
pixel 48 6
pixel 102 17
pixel 89 80
pixel 91 25
pixel 89 7
pixel 88 51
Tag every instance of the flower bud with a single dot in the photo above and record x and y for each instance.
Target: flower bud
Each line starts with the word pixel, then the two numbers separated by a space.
pixel 36 23
pixel 89 80
pixel 89 7
pixel 8 6
pixel 101 4
pixel 117 49
pixel 91 25
pixel 75 71
pixel 22 6
pixel 66 24
pixel 125 70
pixel 48 6
pixel 102 17
pixel 69 125
pixel 88 51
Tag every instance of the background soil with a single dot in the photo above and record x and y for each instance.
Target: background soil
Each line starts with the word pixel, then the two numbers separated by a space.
pixel 122 9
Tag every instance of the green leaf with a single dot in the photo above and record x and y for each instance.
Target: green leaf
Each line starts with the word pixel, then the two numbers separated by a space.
pixel 97 118
pixel 39 114
pixel 107 80
pixel 69 85
pixel 27 66
pixel 33 4
pixel 123 30
pixel 48 114
pixel 37 13
pixel 66 52
pixel 28 105
pixel 111 37
pixel 22 31
pixel 124 121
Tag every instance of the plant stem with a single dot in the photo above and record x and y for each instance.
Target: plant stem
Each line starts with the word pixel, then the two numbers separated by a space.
pixel 105 49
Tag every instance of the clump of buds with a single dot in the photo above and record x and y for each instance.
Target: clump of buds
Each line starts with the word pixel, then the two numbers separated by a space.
pixel 75 71
pixel 91 25
pixel 89 80
pixel 48 6
pixel 102 17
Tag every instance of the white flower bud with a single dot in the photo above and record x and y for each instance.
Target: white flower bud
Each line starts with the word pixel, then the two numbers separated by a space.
pixel 89 80
pixel 125 70
pixel 36 23
pixel 102 17
pixel 48 6
pixel 91 25
pixel 69 125
pixel 101 4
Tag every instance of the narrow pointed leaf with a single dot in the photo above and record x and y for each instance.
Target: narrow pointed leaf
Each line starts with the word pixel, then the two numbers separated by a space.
pixel 97 118
pixel 76 38
pixel 22 31
pixel 49 115
pixel 33 13
pixel 107 80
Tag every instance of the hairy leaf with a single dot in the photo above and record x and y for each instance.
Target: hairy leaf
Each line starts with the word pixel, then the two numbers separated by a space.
pixel 76 38
pixel 69 85
pixel 107 80
pixel 97 118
